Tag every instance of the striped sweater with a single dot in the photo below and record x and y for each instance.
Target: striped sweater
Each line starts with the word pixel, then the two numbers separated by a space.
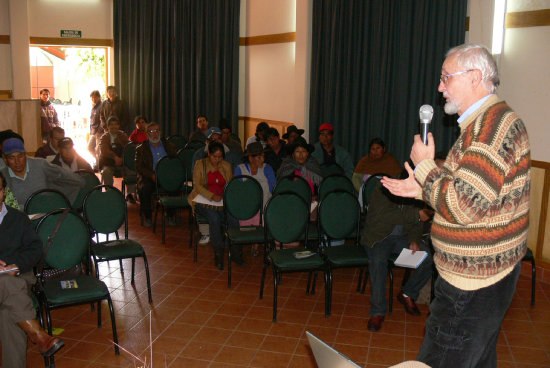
pixel 481 198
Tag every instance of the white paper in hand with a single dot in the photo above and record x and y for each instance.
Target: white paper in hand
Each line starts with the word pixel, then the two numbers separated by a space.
pixel 408 259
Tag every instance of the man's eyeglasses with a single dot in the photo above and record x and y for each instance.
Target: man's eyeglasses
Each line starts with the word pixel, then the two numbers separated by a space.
pixel 153 131
pixel 445 77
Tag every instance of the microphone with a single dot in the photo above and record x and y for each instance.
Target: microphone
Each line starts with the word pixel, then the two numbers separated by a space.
pixel 426 113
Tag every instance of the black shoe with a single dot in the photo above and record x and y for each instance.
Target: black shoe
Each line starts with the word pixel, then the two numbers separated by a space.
pixel 218 261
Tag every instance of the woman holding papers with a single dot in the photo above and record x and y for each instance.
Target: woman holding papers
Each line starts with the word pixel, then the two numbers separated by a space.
pixel 263 173
pixel 210 176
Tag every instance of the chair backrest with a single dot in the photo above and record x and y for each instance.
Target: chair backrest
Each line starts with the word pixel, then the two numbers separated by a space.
pixel 186 157
pixel 91 181
pixel 243 197
pixel 178 140
pixel 331 169
pixel 286 217
pixel 45 201
pixel 170 175
pixel 296 184
pixel 70 244
pixel 129 157
pixel 194 145
pixel 368 188
pixel 335 181
pixel 339 214
pixel 105 209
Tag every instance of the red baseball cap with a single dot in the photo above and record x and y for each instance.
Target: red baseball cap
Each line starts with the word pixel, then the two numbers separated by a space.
pixel 326 126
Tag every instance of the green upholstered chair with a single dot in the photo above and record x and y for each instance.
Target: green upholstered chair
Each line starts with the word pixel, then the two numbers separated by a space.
pixel 335 181
pixel 339 218
pixel 286 220
pixel 194 145
pixel 44 201
pixel 171 194
pixel 179 141
pixel 67 249
pixel 91 181
pixel 105 212
pixel 242 199
pixel 331 169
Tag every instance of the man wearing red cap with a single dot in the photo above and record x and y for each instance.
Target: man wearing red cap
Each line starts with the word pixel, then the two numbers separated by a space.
pixel 327 153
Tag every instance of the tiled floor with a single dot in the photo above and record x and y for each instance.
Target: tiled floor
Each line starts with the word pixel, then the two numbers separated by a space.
pixel 198 322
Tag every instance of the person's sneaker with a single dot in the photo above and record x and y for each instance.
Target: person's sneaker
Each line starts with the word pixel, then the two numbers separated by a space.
pixel 130 198
pixel 147 222
pixel 205 239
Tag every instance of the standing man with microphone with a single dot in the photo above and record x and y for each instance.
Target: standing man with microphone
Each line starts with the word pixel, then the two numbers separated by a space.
pixel 481 202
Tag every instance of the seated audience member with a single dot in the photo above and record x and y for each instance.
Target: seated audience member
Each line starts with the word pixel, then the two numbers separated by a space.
pixel 230 139
pixel 6 134
pixel 378 161
pixel 148 155
pixel 21 249
pixel 139 135
pixel 209 178
pixel 260 136
pixel 328 153
pixel 292 132
pixel 68 158
pixel 50 148
pixel 111 150
pixel 277 149
pixel 199 135
pixel 26 175
pixel 263 173
pixel 392 223
pixel 300 162
pixel 214 134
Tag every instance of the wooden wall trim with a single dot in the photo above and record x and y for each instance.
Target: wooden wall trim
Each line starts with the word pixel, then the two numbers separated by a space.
pixel 257 120
pixel 540 164
pixel 268 39
pixel 71 41
pixel 6 92
pixel 523 19
pixel 5 39
pixel 543 215
pixel 467 28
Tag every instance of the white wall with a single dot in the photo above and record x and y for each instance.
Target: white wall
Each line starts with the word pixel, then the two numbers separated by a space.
pixel 92 17
pixel 5 50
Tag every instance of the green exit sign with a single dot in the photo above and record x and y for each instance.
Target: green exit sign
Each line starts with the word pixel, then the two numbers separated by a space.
pixel 70 33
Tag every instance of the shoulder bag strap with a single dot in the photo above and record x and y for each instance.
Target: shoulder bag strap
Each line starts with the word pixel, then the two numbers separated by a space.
pixel 51 237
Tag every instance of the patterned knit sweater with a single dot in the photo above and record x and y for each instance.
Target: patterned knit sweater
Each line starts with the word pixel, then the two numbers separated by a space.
pixel 481 198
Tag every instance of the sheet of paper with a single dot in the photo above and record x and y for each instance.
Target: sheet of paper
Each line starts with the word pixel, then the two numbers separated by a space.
pixel 408 259
pixel 203 200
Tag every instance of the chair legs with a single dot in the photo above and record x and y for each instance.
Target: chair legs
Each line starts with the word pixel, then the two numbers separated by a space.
pixel 275 284
pixel 113 324
pixel 533 281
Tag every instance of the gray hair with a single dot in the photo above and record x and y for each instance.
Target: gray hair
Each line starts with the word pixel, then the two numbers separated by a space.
pixel 476 56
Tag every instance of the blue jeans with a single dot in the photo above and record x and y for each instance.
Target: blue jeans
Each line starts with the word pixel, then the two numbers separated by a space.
pixel 463 327
pixel 378 271
pixel 216 220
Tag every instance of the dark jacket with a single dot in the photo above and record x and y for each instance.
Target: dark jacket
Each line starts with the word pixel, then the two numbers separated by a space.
pixel 144 159
pixel 106 154
pixel 45 151
pixel 19 243
pixel 117 108
pixel 80 162
pixel 275 159
pixel 48 117
pixel 385 212
pixel 95 118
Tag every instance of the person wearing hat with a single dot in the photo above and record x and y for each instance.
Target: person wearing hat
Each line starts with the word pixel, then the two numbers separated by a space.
pixel 327 153
pixel 199 135
pixel 260 136
pixel 25 175
pixel 49 149
pixel 21 250
pixel 277 149
pixel 256 167
pixel 6 134
pixel 292 132
pixel 302 163
pixel 68 158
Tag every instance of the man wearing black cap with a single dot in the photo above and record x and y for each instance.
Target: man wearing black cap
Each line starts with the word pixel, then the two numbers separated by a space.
pixel 328 153
pixel 292 133
pixel 277 149
pixel 68 158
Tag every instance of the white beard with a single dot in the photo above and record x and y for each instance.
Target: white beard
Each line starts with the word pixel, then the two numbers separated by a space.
pixel 452 107
pixel 154 141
